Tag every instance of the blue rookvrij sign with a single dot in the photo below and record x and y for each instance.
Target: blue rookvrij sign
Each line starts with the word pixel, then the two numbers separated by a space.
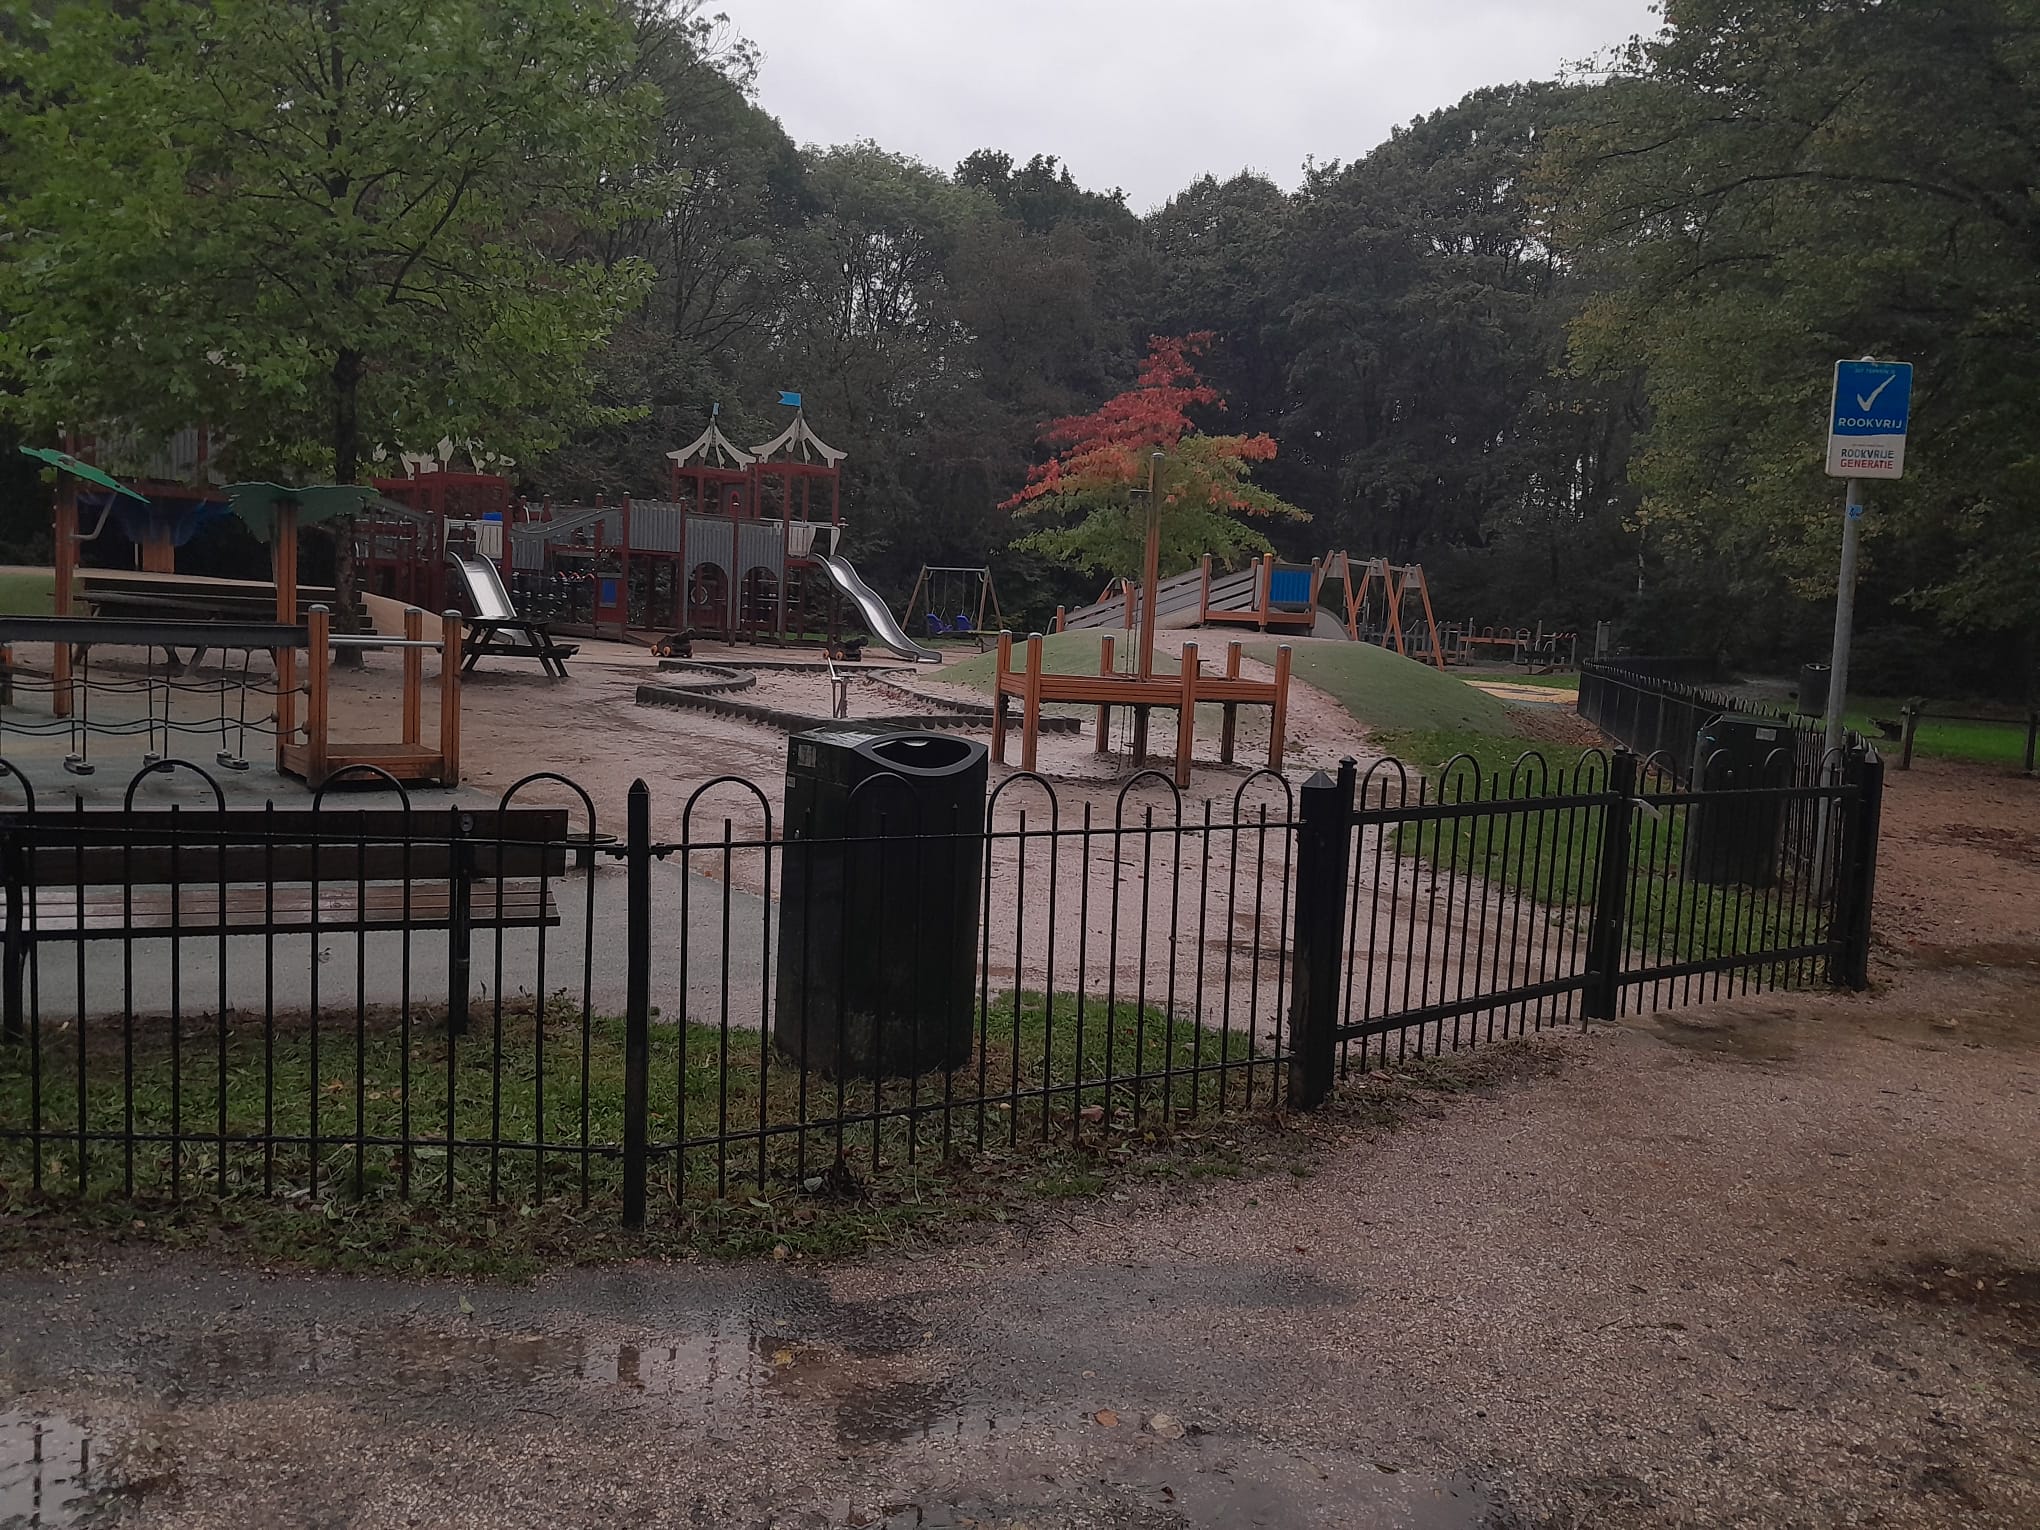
pixel 1867 419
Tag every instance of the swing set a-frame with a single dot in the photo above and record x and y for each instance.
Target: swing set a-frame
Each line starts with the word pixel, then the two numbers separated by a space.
pixel 1399 584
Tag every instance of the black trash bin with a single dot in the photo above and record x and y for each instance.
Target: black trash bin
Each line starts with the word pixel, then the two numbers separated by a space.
pixel 1736 839
pixel 879 902
pixel 1813 689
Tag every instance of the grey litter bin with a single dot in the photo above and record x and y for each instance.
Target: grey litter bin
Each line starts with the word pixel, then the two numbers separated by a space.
pixel 1735 839
pixel 1813 689
pixel 878 912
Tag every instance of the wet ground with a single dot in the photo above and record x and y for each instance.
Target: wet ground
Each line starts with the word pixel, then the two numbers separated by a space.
pixel 1770 1264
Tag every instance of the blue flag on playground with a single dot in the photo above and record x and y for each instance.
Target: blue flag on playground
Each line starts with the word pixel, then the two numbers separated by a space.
pixel 791 400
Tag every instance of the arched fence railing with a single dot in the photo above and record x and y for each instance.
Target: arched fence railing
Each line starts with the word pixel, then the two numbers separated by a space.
pixel 509 1004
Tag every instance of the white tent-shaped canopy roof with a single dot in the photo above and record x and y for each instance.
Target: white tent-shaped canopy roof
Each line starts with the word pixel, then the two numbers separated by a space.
pixel 799 437
pixel 713 449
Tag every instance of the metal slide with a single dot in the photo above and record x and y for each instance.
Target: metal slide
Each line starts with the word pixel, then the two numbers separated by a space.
pixel 485 591
pixel 884 629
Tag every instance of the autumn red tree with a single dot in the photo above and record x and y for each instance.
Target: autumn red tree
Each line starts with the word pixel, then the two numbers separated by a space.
pixel 1102 459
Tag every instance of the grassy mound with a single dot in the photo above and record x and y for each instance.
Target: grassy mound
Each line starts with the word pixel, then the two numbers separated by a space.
pixel 1384 691
pixel 1387 693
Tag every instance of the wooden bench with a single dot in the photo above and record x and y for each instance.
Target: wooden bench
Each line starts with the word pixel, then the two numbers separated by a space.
pixel 149 873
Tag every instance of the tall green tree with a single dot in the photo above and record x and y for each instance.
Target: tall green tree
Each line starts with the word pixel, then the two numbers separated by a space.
pixel 321 226
pixel 1767 187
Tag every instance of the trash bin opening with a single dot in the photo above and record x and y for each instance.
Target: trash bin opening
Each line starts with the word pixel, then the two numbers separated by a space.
pixel 923 752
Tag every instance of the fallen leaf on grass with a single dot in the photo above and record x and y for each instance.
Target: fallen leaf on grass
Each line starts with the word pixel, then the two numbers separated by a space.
pixel 1107 1418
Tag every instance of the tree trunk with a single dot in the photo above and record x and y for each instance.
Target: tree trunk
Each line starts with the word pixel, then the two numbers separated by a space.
pixel 346 464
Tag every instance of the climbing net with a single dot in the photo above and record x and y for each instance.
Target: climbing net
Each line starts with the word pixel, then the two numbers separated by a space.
pixel 173 701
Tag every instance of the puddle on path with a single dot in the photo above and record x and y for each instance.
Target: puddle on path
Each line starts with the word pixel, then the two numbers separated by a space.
pixel 54 1472
pixel 861 1374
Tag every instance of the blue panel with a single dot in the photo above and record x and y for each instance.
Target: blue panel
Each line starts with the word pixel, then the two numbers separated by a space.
pixel 1289 587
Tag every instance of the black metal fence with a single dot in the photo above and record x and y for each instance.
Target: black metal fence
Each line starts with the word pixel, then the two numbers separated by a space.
pixel 498 1006
pixel 1637 703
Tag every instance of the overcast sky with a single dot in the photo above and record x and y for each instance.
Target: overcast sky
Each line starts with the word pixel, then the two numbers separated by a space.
pixel 1150 94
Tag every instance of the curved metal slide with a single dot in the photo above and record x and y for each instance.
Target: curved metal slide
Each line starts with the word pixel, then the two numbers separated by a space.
pixel 485 588
pixel 884 629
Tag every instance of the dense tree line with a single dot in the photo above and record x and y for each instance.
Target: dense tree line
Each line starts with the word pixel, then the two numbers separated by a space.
pixel 1567 344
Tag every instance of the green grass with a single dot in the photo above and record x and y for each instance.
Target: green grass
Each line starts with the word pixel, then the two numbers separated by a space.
pixel 471 1207
pixel 1380 688
pixel 31 593
pixel 1979 743
pixel 1553 855
pixel 1385 692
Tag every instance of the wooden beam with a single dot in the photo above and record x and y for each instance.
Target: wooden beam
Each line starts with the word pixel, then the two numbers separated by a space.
pixel 414 677
pixel 283 569
pixel 449 699
pixel 1186 715
pixel 318 667
pixel 1278 720
pixel 1101 743
pixel 1430 617
pixel 1150 570
pixel 1232 710
pixel 1030 706
pixel 1002 663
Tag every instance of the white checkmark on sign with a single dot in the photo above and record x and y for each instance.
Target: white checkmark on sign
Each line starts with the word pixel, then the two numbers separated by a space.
pixel 1864 403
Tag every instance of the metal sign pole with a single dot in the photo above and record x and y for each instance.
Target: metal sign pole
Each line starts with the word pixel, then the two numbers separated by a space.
pixel 1845 619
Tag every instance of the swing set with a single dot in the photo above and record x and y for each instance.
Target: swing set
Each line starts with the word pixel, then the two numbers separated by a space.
pixel 955 582
pixel 1389 605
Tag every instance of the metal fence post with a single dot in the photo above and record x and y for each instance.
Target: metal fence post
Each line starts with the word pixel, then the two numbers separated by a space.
pixel 1324 853
pixel 1850 966
pixel 1605 938
pixel 15 860
pixel 637 1015
pixel 460 931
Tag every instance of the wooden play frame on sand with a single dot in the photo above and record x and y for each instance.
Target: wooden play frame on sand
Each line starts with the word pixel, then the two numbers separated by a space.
pixel 1140 690
pixel 318 758
pixel 1107 689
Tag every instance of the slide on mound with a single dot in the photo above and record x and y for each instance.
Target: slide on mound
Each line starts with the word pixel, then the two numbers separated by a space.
pixel 884 630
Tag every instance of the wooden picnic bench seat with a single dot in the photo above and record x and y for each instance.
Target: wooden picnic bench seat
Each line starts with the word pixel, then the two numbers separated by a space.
pixel 517 639
pixel 154 873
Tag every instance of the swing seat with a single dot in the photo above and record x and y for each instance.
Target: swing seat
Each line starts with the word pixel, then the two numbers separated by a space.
pixel 963 627
pixel 936 628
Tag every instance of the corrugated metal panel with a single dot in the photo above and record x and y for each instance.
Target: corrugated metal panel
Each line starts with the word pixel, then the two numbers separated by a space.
pixel 527 549
pixel 759 545
pixel 655 528
pixel 708 541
